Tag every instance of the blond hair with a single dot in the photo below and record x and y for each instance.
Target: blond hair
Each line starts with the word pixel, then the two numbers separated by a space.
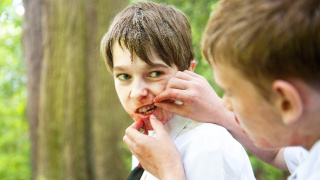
pixel 266 40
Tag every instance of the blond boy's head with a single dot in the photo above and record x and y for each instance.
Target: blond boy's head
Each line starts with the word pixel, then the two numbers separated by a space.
pixel 266 40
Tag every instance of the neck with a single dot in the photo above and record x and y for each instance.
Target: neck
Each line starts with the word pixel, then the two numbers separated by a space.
pixel 310 121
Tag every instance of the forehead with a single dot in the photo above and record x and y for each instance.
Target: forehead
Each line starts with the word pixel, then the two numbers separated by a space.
pixel 222 74
pixel 231 79
pixel 123 57
pixel 228 78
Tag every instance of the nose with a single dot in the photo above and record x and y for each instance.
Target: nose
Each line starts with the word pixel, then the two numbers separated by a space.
pixel 139 91
pixel 226 103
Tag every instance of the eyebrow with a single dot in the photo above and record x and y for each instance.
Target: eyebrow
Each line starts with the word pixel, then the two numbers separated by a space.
pixel 155 65
pixel 120 68
pixel 159 65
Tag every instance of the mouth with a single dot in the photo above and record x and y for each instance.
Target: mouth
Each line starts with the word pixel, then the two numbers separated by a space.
pixel 148 109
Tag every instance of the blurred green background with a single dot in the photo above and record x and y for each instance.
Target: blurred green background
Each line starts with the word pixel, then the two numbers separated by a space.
pixel 14 137
pixel 14 140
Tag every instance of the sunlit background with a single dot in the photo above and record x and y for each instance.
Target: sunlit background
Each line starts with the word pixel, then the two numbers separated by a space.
pixel 14 137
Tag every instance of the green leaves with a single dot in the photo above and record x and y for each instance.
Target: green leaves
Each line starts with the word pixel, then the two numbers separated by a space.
pixel 11 63
pixel 14 139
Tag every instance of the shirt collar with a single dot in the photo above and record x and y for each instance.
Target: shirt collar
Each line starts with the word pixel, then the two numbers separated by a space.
pixel 176 125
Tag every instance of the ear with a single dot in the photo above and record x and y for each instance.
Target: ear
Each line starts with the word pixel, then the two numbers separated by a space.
pixel 192 65
pixel 288 101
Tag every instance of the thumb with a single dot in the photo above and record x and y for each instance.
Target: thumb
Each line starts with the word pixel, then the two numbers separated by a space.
pixel 170 106
pixel 157 125
pixel 137 125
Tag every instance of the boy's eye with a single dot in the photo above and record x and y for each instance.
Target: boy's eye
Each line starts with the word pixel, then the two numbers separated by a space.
pixel 155 74
pixel 123 77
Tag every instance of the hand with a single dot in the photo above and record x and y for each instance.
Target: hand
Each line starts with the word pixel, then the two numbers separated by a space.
pixel 199 101
pixel 157 155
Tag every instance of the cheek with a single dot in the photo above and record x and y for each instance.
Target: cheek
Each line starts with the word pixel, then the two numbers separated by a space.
pixel 159 87
pixel 246 111
pixel 241 113
pixel 245 117
pixel 123 95
pixel 134 116
pixel 120 92
pixel 164 116
pixel 296 139
pixel 262 143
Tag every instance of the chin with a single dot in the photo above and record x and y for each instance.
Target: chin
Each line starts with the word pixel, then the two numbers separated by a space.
pixel 164 118
pixel 147 125
pixel 263 143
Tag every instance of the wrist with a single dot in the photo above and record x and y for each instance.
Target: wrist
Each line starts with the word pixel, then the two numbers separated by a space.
pixel 176 172
pixel 228 121
pixel 223 117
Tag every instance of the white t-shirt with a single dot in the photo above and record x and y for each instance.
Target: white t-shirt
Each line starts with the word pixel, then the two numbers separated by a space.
pixel 310 167
pixel 294 156
pixel 208 151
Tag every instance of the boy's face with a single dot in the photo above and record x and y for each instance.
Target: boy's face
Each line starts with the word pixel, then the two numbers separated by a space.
pixel 258 117
pixel 138 83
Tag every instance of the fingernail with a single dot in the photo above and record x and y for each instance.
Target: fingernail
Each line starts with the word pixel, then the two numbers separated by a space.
pixel 152 116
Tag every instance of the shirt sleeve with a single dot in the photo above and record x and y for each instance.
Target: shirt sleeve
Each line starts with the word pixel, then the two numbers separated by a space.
pixel 208 155
pixel 294 156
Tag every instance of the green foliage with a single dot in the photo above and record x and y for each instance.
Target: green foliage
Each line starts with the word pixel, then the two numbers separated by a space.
pixel 14 139
pixel 264 171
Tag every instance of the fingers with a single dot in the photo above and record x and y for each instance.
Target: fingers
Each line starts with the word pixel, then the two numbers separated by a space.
pixel 181 79
pixel 184 79
pixel 137 125
pixel 185 75
pixel 134 138
pixel 145 131
pixel 157 126
pixel 132 132
pixel 169 106
pixel 175 88
pixel 191 73
pixel 136 141
pixel 169 95
pixel 128 142
pixel 177 83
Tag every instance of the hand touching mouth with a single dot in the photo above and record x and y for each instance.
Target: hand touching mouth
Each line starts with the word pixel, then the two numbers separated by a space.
pixel 144 112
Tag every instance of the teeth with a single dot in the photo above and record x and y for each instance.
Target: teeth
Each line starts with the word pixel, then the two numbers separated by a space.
pixel 146 110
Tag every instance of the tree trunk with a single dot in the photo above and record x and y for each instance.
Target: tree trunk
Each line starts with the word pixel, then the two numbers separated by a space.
pixel 33 54
pixel 108 118
pixel 76 120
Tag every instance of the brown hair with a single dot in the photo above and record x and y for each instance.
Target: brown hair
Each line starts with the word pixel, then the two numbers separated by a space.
pixel 266 40
pixel 147 26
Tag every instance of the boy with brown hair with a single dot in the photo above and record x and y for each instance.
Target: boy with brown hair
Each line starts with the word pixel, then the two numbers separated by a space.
pixel 265 55
pixel 147 44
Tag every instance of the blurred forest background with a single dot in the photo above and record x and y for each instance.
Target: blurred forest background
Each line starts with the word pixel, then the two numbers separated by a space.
pixel 59 114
